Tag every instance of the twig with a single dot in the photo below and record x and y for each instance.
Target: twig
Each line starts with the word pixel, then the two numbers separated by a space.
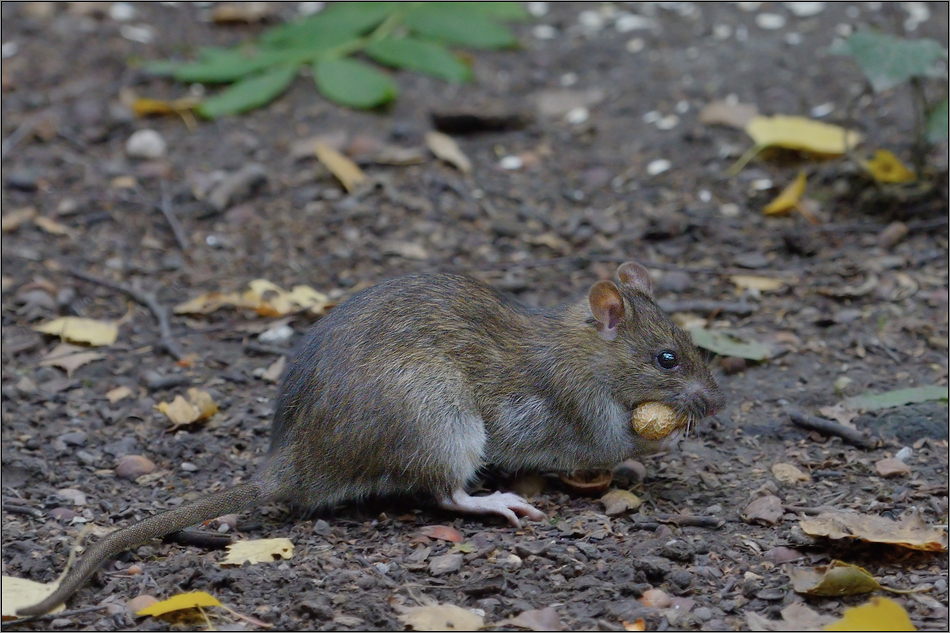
pixel 198 539
pixel 53 616
pixel 829 427
pixel 263 348
pixel 20 133
pixel 9 506
pixel 691 520
pixel 173 222
pixel 149 301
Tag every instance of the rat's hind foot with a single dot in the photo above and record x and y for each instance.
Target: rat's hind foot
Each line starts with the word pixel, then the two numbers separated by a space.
pixel 506 504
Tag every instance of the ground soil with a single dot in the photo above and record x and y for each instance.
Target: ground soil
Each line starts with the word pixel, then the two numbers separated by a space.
pixel 855 314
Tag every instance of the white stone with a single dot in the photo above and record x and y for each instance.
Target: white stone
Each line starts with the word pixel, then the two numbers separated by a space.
pixel 310 8
pixel 668 122
pixel 591 20
pixel 577 116
pixel 544 32
pixel 142 33
pixel 9 49
pixel 793 39
pixel 568 79
pixel 121 11
pixel 276 334
pixel 146 144
pixel 537 9
pixel 770 21
pixel 822 110
pixel 658 166
pixel 722 31
pixel 511 162
pixel 805 9
pixel 627 22
pixel 635 45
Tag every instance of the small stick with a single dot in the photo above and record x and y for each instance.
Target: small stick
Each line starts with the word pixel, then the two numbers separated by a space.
pixel 198 539
pixel 53 616
pixel 742 308
pixel 173 222
pixel 691 520
pixel 9 506
pixel 263 348
pixel 829 427
pixel 149 301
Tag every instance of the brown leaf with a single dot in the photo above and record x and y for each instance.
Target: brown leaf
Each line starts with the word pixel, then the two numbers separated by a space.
pixel 16 218
pixel 276 370
pixel 891 467
pixel 836 579
pixel 346 171
pixel 439 617
pixel 445 148
pixel 70 357
pixel 442 532
pixel 545 619
pixel 789 474
pixel 114 395
pixel 909 531
pixel 767 509
pixel 730 114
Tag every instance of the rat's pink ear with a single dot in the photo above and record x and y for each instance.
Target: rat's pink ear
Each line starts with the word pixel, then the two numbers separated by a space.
pixel 635 277
pixel 606 304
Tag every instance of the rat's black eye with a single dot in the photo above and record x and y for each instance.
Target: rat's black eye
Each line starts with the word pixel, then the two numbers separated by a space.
pixel 667 359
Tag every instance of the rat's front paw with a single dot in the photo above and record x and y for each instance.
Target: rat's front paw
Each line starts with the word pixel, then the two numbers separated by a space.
pixel 507 504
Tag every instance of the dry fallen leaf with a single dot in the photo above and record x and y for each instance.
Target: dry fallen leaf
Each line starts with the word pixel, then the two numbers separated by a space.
pixel 789 473
pixel 762 284
pixel 766 509
pixel 260 551
pixel 70 357
pixel 79 330
pixel 114 395
pixel 442 532
pixel 16 218
pixel 545 619
pixel 619 501
pixel 246 12
pixel 276 370
pixel 440 617
pixel 789 199
pixel 51 226
pixel 891 467
pixel 880 614
pixel 795 617
pixel 909 531
pixel 800 133
pixel 445 148
pixel 18 593
pixel 836 579
pixel 180 602
pixel 885 167
pixel 199 406
pixel 731 114
pixel 346 171
pixel 264 297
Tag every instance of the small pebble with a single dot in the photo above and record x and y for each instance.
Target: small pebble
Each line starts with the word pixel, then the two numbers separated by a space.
pixel 276 335
pixel 9 49
pixel 805 9
pixel 138 603
pixel 121 11
pixel 146 144
pixel 627 22
pixel 188 467
pixel 658 166
pixel 770 21
pixel 63 514
pixel 141 33
pixel 537 9
pixel 822 110
pixel 904 454
pixel 656 598
pixel 133 466
pixel 544 32
pixel 445 564
pixel 591 20
pixel 511 162
pixel 578 115
pixel 635 45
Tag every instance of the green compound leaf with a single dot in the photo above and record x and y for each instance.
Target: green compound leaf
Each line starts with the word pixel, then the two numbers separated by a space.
pixel 457 24
pixel 225 66
pixel 249 93
pixel 353 83
pixel 340 22
pixel 897 398
pixel 507 11
pixel 421 56
pixel 937 123
pixel 888 61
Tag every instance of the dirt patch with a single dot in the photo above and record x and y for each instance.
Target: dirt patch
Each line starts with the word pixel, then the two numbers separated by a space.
pixel 590 193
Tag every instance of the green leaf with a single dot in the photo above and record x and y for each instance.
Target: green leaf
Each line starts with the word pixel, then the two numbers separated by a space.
pixel 937 123
pixel 458 25
pixel 353 83
pixel 506 11
pixel 421 56
pixel 897 398
pixel 888 61
pixel 225 66
pixel 249 93
pixel 340 22
pixel 726 343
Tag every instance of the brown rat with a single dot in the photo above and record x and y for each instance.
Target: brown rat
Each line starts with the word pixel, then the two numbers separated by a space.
pixel 420 382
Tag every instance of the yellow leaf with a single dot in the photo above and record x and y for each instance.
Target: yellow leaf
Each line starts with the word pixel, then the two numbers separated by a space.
pixel 836 579
pixel 263 296
pixel 180 602
pixel 199 406
pixel 880 614
pixel 260 551
pixel 346 171
pixel 885 167
pixel 763 284
pixel 79 330
pixel 789 473
pixel 795 132
pixel 114 395
pixel 788 199
pixel 440 617
pixel 18 593
pixel 445 148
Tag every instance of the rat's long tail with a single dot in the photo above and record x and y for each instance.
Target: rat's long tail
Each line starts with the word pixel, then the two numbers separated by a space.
pixel 228 501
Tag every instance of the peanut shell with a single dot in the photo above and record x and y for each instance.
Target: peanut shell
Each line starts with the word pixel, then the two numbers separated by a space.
pixel 654 421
